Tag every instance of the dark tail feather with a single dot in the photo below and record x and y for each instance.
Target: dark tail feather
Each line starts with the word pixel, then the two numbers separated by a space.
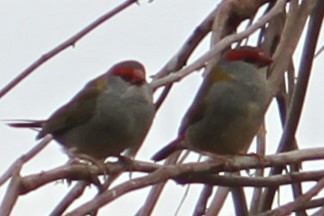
pixel 168 150
pixel 31 124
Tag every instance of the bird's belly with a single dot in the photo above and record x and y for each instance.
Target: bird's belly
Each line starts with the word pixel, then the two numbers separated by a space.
pixel 225 133
pixel 109 133
pixel 97 141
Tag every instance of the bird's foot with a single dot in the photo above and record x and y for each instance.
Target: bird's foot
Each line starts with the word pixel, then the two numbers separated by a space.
pixel 127 163
pixel 88 160
pixel 226 160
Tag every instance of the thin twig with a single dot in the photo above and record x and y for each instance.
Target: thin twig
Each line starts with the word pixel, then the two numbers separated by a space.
pixel 218 201
pixel 70 42
pixel 12 193
pixel 235 163
pixel 156 190
pixel 177 174
pixel 224 43
pixel 25 158
pixel 182 56
pixel 73 194
pixel 319 51
pixel 304 71
pixel 288 208
pixel 201 205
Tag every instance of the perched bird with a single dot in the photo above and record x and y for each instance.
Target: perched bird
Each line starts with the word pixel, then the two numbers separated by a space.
pixel 110 115
pixel 228 108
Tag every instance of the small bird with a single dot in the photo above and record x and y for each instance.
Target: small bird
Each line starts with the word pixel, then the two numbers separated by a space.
pixel 228 108
pixel 110 115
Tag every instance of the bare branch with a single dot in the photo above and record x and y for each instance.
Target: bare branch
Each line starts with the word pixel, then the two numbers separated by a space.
pixel 70 42
pixel 24 158
pixel 201 205
pixel 191 172
pixel 73 194
pixel 12 193
pixel 294 25
pixel 288 208
pixel 224 43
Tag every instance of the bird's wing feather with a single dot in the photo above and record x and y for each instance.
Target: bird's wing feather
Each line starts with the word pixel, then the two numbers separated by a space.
pixel 74 113
pixel 196 111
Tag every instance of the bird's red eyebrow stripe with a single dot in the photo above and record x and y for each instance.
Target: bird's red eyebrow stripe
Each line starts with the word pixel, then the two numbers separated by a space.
pixel 130 74
pixel 241 54
pixel 250 55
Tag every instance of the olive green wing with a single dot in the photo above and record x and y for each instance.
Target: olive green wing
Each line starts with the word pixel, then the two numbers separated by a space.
pixel 77 111
pixel 197 109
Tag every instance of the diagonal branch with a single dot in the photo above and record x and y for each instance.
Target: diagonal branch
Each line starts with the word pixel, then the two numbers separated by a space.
pixel 305 69
pixel 24 158
pixel 224 43
pixel 203 170
pixel 70 42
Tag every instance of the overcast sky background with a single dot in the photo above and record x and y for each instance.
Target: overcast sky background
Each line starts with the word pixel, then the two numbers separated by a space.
pixel 150 33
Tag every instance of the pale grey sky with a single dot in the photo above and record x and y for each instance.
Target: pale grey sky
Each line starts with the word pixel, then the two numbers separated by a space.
pixel 150 33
